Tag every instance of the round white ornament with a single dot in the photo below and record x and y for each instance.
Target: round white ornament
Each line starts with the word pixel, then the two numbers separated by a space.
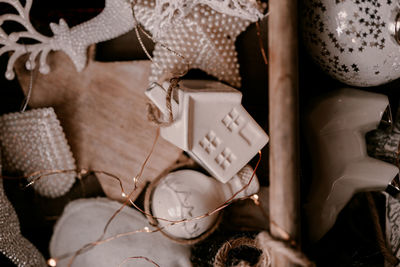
pixel 187 194
pixel 354 40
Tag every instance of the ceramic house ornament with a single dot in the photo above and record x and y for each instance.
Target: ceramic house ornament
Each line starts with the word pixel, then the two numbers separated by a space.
pixel 356 42
pixel 185 194
pixel 211 125
pixel 336 130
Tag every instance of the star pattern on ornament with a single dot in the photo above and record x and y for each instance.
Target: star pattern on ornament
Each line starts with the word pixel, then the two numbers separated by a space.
pixel 204 39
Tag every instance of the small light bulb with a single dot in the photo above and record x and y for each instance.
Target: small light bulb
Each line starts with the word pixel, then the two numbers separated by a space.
pixel 255 199
pixel 123 194
pixel 147 229
pixel 52 262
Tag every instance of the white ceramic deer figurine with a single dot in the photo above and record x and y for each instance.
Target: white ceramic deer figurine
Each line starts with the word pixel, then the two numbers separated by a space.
pixel 115 20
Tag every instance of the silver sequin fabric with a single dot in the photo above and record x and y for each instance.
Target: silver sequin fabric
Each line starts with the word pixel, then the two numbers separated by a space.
pixel 12 244
pixel 34 141
pixel 393 226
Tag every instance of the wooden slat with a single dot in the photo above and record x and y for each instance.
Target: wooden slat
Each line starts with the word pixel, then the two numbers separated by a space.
pixel 283 121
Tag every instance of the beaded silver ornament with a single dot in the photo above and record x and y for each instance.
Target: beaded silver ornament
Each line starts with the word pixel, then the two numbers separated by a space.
pixel 12 244
pixel 204 39
pixel 34 141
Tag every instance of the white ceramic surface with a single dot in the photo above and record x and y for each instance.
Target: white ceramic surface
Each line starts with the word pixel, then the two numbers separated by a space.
pixel 353 40
pixel 83 222
pixel 187 194
pixel 211 125
pixel 336 130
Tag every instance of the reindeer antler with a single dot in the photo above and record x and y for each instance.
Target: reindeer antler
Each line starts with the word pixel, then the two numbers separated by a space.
pixel 115 20
pixel 10 43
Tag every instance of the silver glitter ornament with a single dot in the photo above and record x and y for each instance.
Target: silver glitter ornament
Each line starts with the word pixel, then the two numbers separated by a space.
pixel 204 38
pixel 354 41
pixel 34 141
pixel 12 244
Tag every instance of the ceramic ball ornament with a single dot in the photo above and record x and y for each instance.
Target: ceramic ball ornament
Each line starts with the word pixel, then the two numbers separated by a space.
pixel 355 41
pixel 188 194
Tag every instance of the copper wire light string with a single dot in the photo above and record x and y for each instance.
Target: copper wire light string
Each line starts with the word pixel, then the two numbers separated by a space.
pixel 138 257
pixel 147 230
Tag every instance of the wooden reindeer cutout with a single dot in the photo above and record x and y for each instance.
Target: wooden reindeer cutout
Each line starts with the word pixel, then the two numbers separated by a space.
pixel 103 112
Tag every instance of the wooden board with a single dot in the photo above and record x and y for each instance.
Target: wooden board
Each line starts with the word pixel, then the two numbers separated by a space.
pixel 103 113
pixel 283 124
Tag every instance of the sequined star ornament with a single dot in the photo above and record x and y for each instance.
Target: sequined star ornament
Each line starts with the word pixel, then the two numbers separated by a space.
pixel 34 141
pixel 203 39
pixel 12 244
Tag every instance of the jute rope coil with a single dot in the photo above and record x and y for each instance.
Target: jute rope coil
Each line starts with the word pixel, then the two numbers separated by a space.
pixel 222 255
pixel 267 244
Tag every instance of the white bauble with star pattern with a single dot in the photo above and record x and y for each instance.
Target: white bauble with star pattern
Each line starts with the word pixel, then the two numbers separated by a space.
pixel 354 40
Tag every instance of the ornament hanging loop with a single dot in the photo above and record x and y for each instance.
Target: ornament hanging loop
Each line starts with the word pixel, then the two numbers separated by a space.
pixel 397 28
pixel 154 114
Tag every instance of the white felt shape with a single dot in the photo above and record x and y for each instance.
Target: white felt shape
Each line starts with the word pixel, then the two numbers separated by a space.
pixel 83 221
pixel 336 131
pixel 212 126
pixel 186 194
